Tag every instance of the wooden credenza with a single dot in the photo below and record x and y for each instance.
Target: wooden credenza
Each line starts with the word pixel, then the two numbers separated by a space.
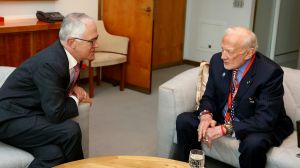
pixel 22 38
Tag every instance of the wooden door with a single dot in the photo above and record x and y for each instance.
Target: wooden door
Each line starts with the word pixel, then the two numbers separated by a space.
pixel 168 36
pixel 134 19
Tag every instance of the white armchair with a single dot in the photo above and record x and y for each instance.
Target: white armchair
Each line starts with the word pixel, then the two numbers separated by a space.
pixel 178 95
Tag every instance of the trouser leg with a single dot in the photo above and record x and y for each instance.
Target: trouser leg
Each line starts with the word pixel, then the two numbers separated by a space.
pixel 46 156
pixel 253 150
pixel 64 137
pixel 187 135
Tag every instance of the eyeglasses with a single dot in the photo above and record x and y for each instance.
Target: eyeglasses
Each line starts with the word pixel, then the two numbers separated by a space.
pixel 92 41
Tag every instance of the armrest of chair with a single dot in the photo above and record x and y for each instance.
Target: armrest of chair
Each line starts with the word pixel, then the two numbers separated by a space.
pixel 113 43
pixel 174 97
pixel 5 71
pixel 83 120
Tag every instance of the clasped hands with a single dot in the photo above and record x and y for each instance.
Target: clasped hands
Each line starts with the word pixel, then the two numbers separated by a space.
pixel 208 131
pixel 82 95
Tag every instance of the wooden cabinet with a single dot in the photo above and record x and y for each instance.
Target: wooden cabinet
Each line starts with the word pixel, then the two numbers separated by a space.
pixel 21 39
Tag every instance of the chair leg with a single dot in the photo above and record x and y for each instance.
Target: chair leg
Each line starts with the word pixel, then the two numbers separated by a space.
pixel 98 76
pixel 122 79
pixel 91 82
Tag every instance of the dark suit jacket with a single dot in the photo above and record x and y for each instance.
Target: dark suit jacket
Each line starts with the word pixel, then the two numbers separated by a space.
pixel 39 87
pixel 259 100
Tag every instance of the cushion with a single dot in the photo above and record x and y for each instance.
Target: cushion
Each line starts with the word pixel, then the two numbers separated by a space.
pixel 291 96
pixel 105 59
pixel 201 81
pixel 277 157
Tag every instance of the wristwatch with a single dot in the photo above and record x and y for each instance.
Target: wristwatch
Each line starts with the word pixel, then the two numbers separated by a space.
pixel 229 129
pixel 203 113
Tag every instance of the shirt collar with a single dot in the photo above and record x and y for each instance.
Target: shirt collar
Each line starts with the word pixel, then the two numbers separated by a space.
pixel 241 70
pixel 71 59
pixel 243 67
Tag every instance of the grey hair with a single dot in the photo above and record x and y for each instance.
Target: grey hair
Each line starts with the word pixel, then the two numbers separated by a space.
pixel 73 26
pixel 250 40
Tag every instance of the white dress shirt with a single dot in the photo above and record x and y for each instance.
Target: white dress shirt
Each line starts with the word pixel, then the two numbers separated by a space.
pixel 72 64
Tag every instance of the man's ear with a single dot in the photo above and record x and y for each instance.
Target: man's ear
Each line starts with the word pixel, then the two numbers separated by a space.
pixel 250 53
pixel 71 43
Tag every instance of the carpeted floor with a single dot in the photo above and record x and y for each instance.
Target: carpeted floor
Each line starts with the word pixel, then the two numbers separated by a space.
pixel 124 123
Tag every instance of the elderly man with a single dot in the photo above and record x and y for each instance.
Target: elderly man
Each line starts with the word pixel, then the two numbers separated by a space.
pixel 40 96
pixel 243 99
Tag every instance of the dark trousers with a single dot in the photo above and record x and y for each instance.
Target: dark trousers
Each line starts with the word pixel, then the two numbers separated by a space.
pixel 187 135
pixel 50 143
pixel 252 149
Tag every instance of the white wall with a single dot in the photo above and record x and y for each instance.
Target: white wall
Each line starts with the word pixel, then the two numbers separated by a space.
pixel 206 21
pixel 24 9
pixel 27 9
pixel 90 7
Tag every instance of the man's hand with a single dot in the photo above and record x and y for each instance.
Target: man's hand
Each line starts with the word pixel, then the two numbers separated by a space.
pixel 81 94
pixel 87 100
pixel 206 121
pixel 213 133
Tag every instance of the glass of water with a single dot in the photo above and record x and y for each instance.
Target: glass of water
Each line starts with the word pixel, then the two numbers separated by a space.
pixel 197 158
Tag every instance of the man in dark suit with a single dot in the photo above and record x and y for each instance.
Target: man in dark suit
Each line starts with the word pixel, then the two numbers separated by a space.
pixel 38 99
pixel 243 99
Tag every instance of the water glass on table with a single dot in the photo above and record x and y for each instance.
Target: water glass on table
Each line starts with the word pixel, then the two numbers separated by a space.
pixel 196 158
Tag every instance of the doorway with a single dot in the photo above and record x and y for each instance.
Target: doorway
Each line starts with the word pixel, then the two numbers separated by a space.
pixel 278 30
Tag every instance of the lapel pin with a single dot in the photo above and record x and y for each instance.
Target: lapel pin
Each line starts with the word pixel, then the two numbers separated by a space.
pixel 223 74
pixel 251 100
pixel 248 82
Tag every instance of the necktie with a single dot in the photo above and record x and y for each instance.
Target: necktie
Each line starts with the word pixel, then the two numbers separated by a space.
pixel 75 77
pixel 234 80
pixel 229 116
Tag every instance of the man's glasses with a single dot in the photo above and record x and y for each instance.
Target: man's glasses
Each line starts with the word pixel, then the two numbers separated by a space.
pixel 92 41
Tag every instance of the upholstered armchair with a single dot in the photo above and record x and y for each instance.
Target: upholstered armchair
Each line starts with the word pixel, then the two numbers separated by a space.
pixel 112 50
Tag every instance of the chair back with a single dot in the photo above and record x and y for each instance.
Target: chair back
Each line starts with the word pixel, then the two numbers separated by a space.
pixel 110 43
pixel 291 96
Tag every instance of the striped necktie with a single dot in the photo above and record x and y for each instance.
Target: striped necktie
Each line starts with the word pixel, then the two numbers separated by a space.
pixel 75 77
pixel 234 79
pixel 229 115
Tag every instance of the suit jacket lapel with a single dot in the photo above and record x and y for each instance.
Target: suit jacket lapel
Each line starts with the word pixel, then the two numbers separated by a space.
pixel 226 77
pixel 64 60
pixel 245 83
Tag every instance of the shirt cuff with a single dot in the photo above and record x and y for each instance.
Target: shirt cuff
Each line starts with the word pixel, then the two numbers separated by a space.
pixel 75 98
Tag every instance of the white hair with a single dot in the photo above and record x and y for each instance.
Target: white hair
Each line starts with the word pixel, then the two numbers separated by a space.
pixel 250 40
pixel 73 26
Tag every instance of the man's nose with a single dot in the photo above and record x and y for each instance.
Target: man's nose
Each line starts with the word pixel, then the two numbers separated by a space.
pixel 96 45
pixel 223 55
